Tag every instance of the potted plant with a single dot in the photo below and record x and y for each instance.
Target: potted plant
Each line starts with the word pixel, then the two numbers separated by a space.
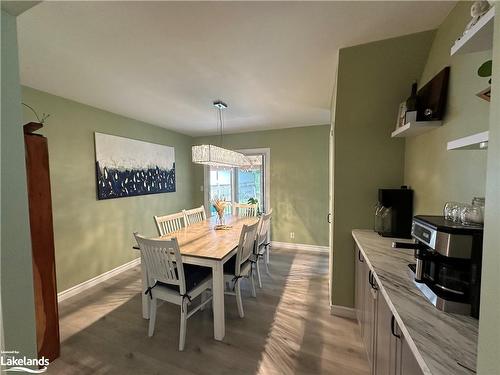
pixel 255 201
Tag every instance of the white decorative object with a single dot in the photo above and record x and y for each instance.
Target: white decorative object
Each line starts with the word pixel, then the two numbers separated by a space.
pixel 477 10
pixel 410 116
pixel 218 156
pixel 478 38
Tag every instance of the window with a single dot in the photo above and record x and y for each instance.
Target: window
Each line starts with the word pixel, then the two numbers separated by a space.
pixel 221 185
pixel 249 182
pixel 238 184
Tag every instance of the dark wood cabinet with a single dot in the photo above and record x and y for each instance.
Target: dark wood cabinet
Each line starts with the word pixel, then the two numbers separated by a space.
pixel 42 242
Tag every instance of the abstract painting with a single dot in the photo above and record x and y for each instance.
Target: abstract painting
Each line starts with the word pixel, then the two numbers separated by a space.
pixel 127 167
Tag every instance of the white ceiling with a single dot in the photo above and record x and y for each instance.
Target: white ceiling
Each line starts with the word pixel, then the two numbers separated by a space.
pixel 165 62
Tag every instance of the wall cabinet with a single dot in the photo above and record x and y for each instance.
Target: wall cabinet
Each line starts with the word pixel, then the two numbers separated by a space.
pixel 387 349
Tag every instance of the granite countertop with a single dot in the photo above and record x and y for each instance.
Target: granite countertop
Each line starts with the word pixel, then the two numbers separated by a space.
pixel 442 343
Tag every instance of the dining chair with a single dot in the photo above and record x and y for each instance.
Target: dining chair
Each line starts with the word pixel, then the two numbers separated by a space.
pixel 170 280
pixel 194 215
pixel 244 209
pixel 170 223
pixel 240 265
pixel 262 243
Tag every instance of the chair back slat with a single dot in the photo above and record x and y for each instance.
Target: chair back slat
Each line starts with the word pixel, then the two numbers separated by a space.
pixel 244 209
pixel 264 226
pixel 169 223
pixel 245 245
pixel 163 261
pixel 194 215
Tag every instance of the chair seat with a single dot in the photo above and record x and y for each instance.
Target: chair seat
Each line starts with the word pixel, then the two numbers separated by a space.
pixel 230 266
pixel 194 275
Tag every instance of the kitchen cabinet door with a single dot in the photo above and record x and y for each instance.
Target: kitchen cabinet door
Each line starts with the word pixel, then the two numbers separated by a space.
pixel 409 364
pixel 385 341
pixel 406 363
pixel 360 287
pixel 370 310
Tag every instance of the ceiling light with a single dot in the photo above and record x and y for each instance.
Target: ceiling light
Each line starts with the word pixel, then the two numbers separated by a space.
pixel 218 156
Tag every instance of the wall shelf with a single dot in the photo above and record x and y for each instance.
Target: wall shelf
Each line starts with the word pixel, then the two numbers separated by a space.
pixel 478 141
pixel 415 128
pixel 479 37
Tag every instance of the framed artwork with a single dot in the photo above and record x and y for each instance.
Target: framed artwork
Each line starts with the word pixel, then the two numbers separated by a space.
pixel 485 94
pixel 401 120
pixel 127 167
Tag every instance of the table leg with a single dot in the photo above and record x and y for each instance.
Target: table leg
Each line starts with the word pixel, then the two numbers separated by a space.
pixel 146 302
pixel 218 301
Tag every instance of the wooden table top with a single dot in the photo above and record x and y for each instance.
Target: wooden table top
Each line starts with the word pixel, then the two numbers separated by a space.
pixel 202 240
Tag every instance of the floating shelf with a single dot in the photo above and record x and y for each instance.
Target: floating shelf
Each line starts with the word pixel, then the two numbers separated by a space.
pixel 479 37
pixel 414 128
pixel 477 141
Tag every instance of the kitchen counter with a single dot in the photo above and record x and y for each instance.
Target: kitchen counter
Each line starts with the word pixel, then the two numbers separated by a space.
pixel 442 343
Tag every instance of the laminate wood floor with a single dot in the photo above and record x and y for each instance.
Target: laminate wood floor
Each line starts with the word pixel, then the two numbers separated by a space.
pixel 287 329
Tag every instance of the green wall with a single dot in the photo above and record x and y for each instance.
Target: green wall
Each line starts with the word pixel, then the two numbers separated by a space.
pixel 489 323
pixel 93 236
pixel 299 179
pixel 438 175
pixel 372 80
pixel 16 273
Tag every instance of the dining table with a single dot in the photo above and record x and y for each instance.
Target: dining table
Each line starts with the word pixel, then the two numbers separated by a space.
pixel 203 245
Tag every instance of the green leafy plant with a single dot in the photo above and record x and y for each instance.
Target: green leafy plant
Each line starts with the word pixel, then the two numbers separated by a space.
pixel 485 70
pixel 254 201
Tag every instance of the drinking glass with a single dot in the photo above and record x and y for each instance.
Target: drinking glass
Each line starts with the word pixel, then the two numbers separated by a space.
pixel 451 211
pixel 471 215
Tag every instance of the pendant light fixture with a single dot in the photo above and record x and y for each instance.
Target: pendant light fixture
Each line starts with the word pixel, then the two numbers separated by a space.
pixel 217 156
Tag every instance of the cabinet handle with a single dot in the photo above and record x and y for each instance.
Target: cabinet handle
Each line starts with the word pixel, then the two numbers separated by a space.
pixel 393 331
pixel 329 218
pixel 371 280
pixel 359 257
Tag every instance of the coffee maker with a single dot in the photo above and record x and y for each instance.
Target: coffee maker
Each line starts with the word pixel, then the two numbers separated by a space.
pixel 394 212
pixel 448 263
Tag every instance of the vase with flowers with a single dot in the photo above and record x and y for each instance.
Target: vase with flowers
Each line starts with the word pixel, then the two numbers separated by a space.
pixel 220 206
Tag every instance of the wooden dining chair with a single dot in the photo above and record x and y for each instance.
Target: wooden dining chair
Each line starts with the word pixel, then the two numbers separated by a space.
pixel 170 280
pixel 262 243
pixel 170 223
pixel 244 209
pixel 194 215
pixel 240 265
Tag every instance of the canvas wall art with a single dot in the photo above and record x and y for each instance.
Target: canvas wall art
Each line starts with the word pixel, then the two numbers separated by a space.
pixel 127 167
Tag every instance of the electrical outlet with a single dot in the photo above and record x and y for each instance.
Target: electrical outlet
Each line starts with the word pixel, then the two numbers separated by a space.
pixel 292 235
pixel 201 188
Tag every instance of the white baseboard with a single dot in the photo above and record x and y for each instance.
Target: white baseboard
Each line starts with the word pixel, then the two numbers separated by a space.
pixel 65 294
pixel 299 246
pixel 342 311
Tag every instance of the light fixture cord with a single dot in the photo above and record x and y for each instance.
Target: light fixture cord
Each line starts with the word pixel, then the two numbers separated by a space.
pixel 221 128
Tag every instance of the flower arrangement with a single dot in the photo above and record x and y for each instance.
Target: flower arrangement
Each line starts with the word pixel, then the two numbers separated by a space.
pixel 220 206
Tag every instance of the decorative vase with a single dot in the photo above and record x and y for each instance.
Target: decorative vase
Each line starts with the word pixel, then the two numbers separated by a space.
pixel 220 218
